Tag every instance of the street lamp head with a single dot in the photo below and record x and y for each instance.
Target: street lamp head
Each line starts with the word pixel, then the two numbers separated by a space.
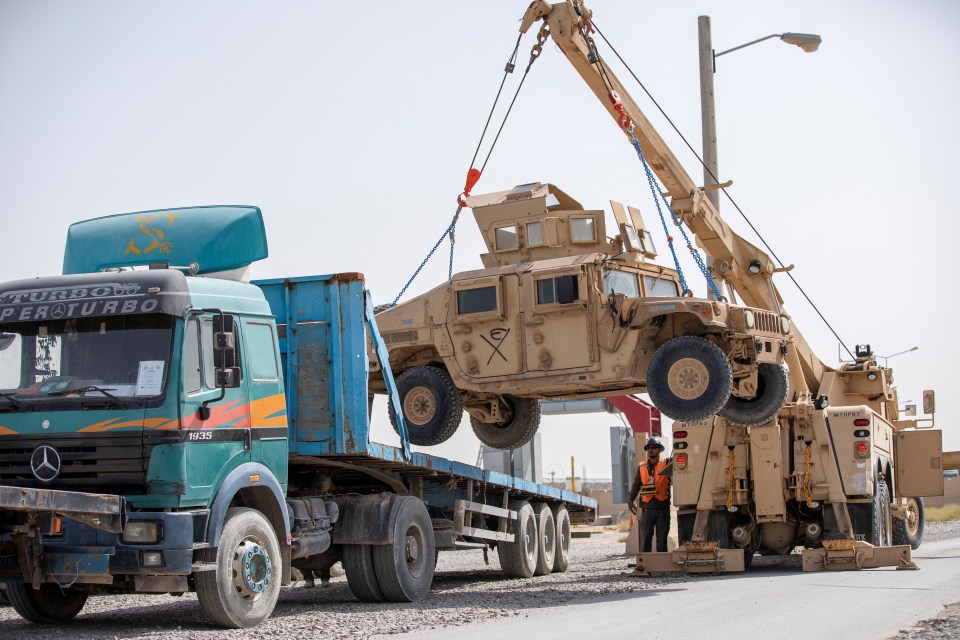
pixel 809 42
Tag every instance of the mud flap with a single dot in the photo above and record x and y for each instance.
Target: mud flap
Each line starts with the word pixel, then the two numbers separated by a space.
pixel 692 557
pixel 850 555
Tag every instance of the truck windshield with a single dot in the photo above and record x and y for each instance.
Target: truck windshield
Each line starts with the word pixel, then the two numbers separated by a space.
pixel 104 359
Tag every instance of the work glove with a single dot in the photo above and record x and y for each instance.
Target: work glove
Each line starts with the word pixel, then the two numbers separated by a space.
pixel 633 508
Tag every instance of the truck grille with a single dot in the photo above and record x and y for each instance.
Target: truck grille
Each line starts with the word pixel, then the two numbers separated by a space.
pixel 116 462
pixel 766 322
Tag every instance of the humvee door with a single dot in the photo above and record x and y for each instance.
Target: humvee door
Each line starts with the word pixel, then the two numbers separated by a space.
pixel 559 329
pixel 483 320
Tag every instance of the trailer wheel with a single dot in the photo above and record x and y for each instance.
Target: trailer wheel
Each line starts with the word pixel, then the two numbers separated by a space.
pixel 47 605
pixel 910 529
pixel 772 389
pixel 561 520
pixel 689 379
pixel 521 425
pixel 518 559
pixel 432 405
pixel 405 568
pixel 243 590
pixel 546 538
pixel 361 574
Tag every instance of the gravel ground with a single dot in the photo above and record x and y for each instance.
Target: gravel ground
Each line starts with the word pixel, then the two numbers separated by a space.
pixel 465 590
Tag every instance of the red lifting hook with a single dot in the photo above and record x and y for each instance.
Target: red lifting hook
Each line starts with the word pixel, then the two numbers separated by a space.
pixel 472 176
pixel 625 120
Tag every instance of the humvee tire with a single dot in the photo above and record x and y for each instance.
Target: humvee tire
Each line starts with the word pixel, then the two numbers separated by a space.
pixel 772 389
pixel 517 431
pixel 689 379
pixel 432 405
pixel 910 530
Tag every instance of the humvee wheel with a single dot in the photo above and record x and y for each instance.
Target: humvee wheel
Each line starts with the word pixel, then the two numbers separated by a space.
pixel 523 420
pixel 772 389
pixel 910 529
pixel 432 405
pixel 689 379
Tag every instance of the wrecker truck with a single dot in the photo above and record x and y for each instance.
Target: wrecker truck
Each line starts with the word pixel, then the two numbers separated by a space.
pixel 837 470
pixel 168 426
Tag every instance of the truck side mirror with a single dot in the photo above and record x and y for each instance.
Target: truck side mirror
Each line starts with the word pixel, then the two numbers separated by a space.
pixel 929 402
pixel 228 377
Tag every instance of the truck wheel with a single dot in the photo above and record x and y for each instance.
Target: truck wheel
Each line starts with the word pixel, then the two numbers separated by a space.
pixel 561 557
pixel 518 430
pixel 46 605
pixel 910 529
pixel 873 522
pixel 432 405
pixel 243 590
pixel 361 574
pixel 546 538
pixel 518 559
pixel 772 389
pixel 689 379
pixel 405 568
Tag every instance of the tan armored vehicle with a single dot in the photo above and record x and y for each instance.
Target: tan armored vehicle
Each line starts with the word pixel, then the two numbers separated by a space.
pixel 561 310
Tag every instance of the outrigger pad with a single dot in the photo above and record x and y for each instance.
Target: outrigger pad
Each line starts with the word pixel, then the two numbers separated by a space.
pixel 691 558
pixel 857 555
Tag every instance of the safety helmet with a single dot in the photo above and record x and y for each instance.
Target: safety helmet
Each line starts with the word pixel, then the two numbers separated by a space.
pixel 654 441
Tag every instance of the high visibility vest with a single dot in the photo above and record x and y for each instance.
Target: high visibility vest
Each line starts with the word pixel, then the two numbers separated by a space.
pixel 656 486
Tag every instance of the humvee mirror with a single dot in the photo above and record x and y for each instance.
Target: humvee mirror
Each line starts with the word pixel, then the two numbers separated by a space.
pixel 6 339
pixel 929 402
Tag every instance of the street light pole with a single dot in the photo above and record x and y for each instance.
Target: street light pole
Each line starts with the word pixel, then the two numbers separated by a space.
pixel 708 113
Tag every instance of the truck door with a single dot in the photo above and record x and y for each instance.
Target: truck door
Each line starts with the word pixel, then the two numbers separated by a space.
pixel 918 470
pixel 558 333
pixel 483 318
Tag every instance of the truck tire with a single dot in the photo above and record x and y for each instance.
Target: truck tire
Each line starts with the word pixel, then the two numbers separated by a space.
pixel 432 405
pixel 47 605
pixel 772 389
pixel 518 559
pixel 689 379
pixel 561 520
pixel 871 521
pixel 405 568
pixel 519 429
pixel 243 590
pixel 546 538
pixel 910 529
pixel 361 574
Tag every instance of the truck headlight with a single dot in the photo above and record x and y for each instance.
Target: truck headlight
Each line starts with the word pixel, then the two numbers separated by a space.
pixel 142 532
pixel 748 319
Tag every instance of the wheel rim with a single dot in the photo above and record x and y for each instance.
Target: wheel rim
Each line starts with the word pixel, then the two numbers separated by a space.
pixel 415 551
pixel 549 540
pixel 688 378
pixel 530 541
pixel 252 570
pixel 913 517
pixel 419 406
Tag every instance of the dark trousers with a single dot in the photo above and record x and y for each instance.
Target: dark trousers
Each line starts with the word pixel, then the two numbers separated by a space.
pixel 654 521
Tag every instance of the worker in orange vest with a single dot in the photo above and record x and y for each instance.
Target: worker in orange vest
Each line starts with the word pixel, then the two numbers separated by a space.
pixel 652 485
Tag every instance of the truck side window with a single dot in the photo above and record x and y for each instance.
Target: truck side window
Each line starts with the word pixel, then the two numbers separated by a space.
pixel 583 230
pixel 11 354
pixel 625 282
pixel 479 300
pixel 559 290
pixel 192 382
pixel 261 351
pixel 209 356
pixel 534 234
pixel 506 238
pixel 660 287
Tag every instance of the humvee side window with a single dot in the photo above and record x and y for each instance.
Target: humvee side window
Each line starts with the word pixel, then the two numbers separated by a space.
pixel 477 300
pixel 583 230
pixel 660 287
pixel 534 234
pixel 559 290
pixel 506 238
pixel 624 282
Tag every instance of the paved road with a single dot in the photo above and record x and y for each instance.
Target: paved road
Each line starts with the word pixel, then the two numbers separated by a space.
pixel 779 602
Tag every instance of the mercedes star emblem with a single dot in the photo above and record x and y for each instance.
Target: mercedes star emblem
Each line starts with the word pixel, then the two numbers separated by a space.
pixel 45 463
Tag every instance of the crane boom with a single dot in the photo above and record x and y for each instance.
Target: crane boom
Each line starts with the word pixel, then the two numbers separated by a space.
pixel 734 256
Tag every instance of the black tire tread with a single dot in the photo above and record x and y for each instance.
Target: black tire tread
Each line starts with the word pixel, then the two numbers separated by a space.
pixel 684 410
pixel 396 585
pixel 32 605
pixel 900 533
pixel 361 574
pixel 561 558
pixel 518 432
pixel 512 555
pixel 430 435
pixel 765 407
pixel 545 557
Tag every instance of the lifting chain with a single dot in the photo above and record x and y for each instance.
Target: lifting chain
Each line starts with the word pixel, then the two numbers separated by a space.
pixel 730 478
pixel 806 478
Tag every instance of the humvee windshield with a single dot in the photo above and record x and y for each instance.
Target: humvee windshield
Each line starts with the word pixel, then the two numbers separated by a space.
pixel 84 359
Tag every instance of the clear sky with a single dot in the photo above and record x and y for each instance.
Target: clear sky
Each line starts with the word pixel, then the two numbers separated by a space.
pixel 352 125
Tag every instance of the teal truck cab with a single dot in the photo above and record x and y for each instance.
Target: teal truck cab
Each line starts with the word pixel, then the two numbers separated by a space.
pixel 168 426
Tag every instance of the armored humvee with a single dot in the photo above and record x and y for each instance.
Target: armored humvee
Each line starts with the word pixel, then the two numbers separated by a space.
pixel 561 310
